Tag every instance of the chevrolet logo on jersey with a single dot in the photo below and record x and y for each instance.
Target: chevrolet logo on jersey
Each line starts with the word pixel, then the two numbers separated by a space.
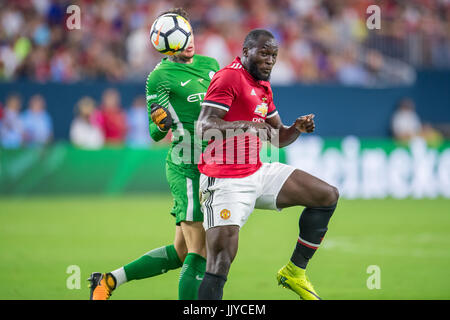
pixel 261 109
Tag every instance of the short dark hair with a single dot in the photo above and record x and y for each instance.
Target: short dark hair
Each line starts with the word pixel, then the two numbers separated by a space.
pixel 253 37
pixel 179 11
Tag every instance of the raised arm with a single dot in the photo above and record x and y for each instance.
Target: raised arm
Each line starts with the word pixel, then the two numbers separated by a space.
pixel 157 94
pixel 287 135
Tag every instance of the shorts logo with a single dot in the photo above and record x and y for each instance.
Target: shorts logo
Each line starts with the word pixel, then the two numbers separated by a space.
pixel 225 214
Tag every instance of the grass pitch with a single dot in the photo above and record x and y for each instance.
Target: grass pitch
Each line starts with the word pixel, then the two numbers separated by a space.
pixel 40 238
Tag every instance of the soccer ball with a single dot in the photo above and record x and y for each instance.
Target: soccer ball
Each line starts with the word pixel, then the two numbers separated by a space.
pixel 170 34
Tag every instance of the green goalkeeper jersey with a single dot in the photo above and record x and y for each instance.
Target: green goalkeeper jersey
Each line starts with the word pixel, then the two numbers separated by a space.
pixel 180 88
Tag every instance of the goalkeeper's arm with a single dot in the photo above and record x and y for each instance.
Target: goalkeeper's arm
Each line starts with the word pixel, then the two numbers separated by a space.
pixel 160 121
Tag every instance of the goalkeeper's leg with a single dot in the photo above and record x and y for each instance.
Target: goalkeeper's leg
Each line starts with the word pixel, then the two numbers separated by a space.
pixel 153 263
pixel 189 247
pixel 194 265
pixel 187 251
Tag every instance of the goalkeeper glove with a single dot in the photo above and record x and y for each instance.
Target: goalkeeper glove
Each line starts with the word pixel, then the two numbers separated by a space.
pixel 161 117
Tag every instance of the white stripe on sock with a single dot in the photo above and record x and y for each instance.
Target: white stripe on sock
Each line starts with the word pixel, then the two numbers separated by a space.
pixel 190 196
pixel 120 276
pixel 309 243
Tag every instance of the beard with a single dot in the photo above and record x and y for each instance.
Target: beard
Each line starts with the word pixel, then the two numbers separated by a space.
pixel 182 57
pixel 254 71
pixel 187 56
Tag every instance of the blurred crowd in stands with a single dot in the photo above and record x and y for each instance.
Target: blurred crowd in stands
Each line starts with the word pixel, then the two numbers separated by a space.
pixel 28 128
pixel 320 40
pixel 109 123
pixel 406 125
pixel 93 126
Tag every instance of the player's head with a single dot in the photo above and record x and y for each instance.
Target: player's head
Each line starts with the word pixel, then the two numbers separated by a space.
pixel 189 52
pixel 260 52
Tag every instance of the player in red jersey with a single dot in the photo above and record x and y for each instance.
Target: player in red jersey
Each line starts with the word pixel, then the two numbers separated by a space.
pixel 233 182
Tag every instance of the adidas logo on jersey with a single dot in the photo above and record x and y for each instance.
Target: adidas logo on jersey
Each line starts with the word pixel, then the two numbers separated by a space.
pixel 236 65
pixel 253 93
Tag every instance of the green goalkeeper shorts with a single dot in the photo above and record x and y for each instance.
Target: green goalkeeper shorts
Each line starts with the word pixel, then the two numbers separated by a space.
pixel 184 186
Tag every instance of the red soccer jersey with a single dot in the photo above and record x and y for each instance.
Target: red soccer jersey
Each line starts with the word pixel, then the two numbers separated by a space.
pixel 234 90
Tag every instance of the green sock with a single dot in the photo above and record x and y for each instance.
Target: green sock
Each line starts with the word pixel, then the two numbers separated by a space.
pixel 153 263
pixel 191 276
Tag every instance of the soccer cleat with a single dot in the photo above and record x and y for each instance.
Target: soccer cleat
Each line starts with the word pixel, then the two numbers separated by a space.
pixel 298 283
pixel 101 285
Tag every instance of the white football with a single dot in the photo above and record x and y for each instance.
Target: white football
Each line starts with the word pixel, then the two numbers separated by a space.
pixel 170 33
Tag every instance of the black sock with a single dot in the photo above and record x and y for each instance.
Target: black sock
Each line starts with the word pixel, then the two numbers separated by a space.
pixel 313 225
pixel 211 287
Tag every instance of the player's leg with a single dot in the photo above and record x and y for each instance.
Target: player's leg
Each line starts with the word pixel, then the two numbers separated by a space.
pixel 194 265
pixel 303 189
pixel 169 257
pixel 180 243
pixel 153 263
pixel 221 249
pixel 226 204
pixel 184 185
pixel 319 199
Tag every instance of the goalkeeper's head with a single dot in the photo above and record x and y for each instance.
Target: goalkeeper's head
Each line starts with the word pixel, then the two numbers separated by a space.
pixel 189 52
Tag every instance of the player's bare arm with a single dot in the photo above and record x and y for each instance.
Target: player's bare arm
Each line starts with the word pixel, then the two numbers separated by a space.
pixel 212 118
pixel 288 134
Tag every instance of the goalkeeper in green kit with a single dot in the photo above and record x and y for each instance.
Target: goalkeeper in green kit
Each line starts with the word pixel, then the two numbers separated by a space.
pixel 175 90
